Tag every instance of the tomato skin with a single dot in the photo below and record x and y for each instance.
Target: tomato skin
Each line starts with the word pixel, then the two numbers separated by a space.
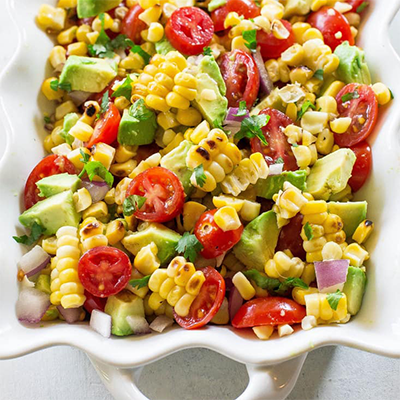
pixel 365 107
pixel 106 129
pixel 189 29
pixel 132 26
pixel 329 25
pixel 163 191
pixel 104 271
pixel 94 302
pixel 278 145
pixel 290 239
pixel 268 311
pixel 270 46
pixel 241 78
pixel 362 167
pixel 50 165
pixel 211 293
pixel 214 240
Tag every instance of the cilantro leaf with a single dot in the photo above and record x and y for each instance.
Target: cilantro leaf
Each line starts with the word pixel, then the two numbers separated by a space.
pixel 139 111
pixel 95 168
pixel 308 231
pixel 251 39
pixel 362 7
pixel 133 203
pixel 105 101
pixel 251 127
pixel 304 108
pixel 207 51
pixel 296 282
pixel 55 85
pixel 391 94
pixel 135 48
pixel 46 119
pixel 350 96
pixel 242 109
pixel 189 246
pixel 200 175
pixel 319 74
pixel 279 160
pixel 334 298
pixel 125 90
pixel 140 283
pixel 112 211
pixel 85 157
pixel 36 231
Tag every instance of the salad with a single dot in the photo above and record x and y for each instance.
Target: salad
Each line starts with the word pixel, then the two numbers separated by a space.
pixel 203 158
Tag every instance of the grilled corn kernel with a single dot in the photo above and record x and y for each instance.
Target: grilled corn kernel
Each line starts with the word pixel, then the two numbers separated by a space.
pixel 115 232
pixel 191 213
pixel 333 223
pixel 166 287
pixel 263 332
pixel 97 210
pixel 356 254
pixel 49 245
pixel 155 301
pixel 146 260
pixel 103 153
pixel 243 285
pixel 174 266
pixel 184 274
pixel 250 210
pixel 314 256
pixel 183 305
pixel 82 199
pixel 123 169
pixel 157 278
pixel 195 283
pixel 363 231
pixel 75 157
pixel 382 93
pixel 175 294
pixel 337 237
pixel 227 219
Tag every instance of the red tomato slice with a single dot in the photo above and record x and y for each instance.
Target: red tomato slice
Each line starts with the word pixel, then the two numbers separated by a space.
pixel 270 46
pixel 104 271
pixel 132 26
pixel 163 191
pixel 241 77
pixel 330 22
pixel 94 303
pixel 362 167
pixel 278 145
pixel 214 240
pixel 268 311
pixel 290 239
pixel 207 303
pixel 50 165
pixel 189 30
pixel 362 110
pixel 106 129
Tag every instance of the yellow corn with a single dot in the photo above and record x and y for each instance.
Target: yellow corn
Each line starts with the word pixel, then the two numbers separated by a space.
pixel 97 210
pixel 284 266
pixel 382 93
pixel 191 213
pixel 146 260
pixel 185 272
pixel 157 279
pixel 57 56
pixel 334 88
pixel 115 232
pixel 325 142
pixel 123 169
pixel 82 199
pixel 50 18
pixel 67 37
pixel 195 283
pixel 340 125
pixel 183 305
pixel 175 294
pixel 363 231
pixel 356 254
pixel 308 274
pixel 64 109
pixel 49 92
pixel 318 306
pixel 333 224
pixel 263 332
pixel 227 218
pixel 155 301
pixel 49 245
pixel 243 285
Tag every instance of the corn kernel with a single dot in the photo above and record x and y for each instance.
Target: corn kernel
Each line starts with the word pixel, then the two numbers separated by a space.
pixel 382 93
pixel 340 125
pixel 157 278
pixel 195 283
pixel 243 285
pixel 115 232
pixel 155 301
pixel 51 18
pixel 49 92
pixel 67 37
pixel 175 294
pixel 263 332
pixel 227 219
pixel 184 274
pixel 334 88
pixel 363 231
pixel 182 307
pixel 356 254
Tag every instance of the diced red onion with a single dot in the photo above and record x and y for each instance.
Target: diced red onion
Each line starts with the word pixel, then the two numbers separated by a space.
pixel 161 323
pixel 231 118
pixel 228 284
pixel 276 169
pixel 101 323
pixel 235 302
pixel 97 190
pixel 138 324
pixel 266 85
pixel 71 315
pixel 78 97
pixel 34 261
pixel 331 275
pixel 32 304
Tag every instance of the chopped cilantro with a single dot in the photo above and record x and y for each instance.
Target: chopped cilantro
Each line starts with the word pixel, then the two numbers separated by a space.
pixel 55 85
pixel 207 51
pixel 85 157
pixel 133 203
pixel 319 74
pixel 95 168
pixel 304 108
pixel 242 109
pixel 140 283
pixel 189 246
pixel 308 231
pixel 105 101
pixel 334 298
pixel 295 145
pixel 391 94
pixel 296 282
pixel 125 90
pixel 362 7
pixel 279 160
pixel 350 96
pixel 112 211
pixel 36 231
pixel 251 127
pixel 139 111
pixel 135 48
pixel 251 39
pixel 46 119
pixel 200 175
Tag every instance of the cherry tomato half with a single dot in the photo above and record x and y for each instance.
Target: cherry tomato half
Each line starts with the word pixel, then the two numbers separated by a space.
pixel 290 239
pixel 268 311
pixel 132 26
pixel 270 46
pixel 50 165
pixel 94 302
pixel 163 192
pixel 214 240
pixel 189 29
pixel 278 145
pixel 104 271
pixel 207 303
pixel 241 78
pixel 362 167
pixel 330 22
pixel 106 129
pixel 363 111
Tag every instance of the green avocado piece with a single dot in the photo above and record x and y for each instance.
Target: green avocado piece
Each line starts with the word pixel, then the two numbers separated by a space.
pixel 273 100
pixel 352 65
pixel 273 184
pixel 214 4
pixel 351 212
pixel 297 7
pixel 175 161
pixel 69 121
pixel 209 66
pixel 52 213
pixel 88 74
pixel 330 174
pixel 54 184
pixel 258 241
pixel 120 306
pixel 164 46
pixel 92 8
pixel 165 239
pixel 354 289
pixel 138 125
pixel 43 284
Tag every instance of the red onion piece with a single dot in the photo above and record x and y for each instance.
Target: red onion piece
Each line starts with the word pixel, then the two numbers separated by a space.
pixel 32 304
pixel 101 323
pixel 331 275
pixel 228 284
pixel 266 85
pixel 276 169
pixel 231 118
pixel 34 261
pixel 78 97
pixel 97 190
pixel 138 324
pixel 71 315
pixel 235 302
pixel 161 323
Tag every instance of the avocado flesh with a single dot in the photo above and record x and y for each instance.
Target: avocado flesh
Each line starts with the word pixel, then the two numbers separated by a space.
pixel 164 46
pixel 43 284
pixel 55 184
pixel 119 307
pixel 52 213
pixel 92 8
pixel 273 184
pixel 209 66
pixel 351 212
pixel 69 121
pixel 354 289
pixel 88 74
pixel 258 241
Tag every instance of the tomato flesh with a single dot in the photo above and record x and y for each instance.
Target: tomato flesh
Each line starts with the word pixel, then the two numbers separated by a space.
pixel 207 303
pixel 362 167
pixel 214 240
pixel 290 239
pixel 241 78
pixel 132 26
pixel 268 311
pixel 362 110
pixel 94 302
pixel 163 192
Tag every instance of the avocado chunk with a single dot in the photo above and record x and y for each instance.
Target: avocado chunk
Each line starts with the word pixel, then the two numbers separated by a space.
pixel 43 284
pixel 120 306
pixel 164 46
pixel 175 161
pixel 273 184
pixel 55 184
pixel 352 65
pixel 69 121
pixel 352 214
pixel 92 8
pixel 258 241
pixel 165 239
pixel 209 66
pixel 354 289
pixel 88 74
pixel 52 213
pixel 138 125
pixel 273 100
pixel 330 174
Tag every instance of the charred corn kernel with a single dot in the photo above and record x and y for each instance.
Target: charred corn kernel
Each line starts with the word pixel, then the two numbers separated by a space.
pixel 227 218
pixel 57 56
pixel 337 237
pixel 363 231
pixel 65 108
pixel 356 254
pixel 49 92
pixel 75 157
pixel 49 245
pixel 243 285
pixel 195 283
pixel 325 142
pixel 315 218
pixel 263 332
pixel 284 266
pixel 308 274
pixel 123 169
pixel 97 210
pixel 155 32
pixel 155 301
pixel 175 294
pixel 82 199
pixel 332 251
pixel 314 256
pixel 115 232
pixel 189 117
pixel 103 153
pixel 333 223
pixel 151 14
pixel 121 103
pixel 146 260
pixel 191 213
pixel 318 306
pixel 68 36
pixel 50 18
pixel 166 287
pixel 125 153
pixel 314 207
pixel 334 88
pixel 157 278
pixel 182 307
pixel 184 274
pixel 174 266
pixel 340 125
pixel 382 93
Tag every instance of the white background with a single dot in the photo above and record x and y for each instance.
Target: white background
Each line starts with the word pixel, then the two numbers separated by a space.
pixel 66 374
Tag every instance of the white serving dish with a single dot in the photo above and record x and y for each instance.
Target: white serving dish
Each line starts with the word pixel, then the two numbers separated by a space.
pixel 273 365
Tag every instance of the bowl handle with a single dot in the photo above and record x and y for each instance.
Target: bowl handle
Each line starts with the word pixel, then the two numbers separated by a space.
pixel 265 382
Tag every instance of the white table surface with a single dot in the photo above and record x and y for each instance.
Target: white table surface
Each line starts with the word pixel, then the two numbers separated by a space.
pixel 64 373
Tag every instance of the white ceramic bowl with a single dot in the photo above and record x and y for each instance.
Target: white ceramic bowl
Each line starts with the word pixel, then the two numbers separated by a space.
pixel 272 375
